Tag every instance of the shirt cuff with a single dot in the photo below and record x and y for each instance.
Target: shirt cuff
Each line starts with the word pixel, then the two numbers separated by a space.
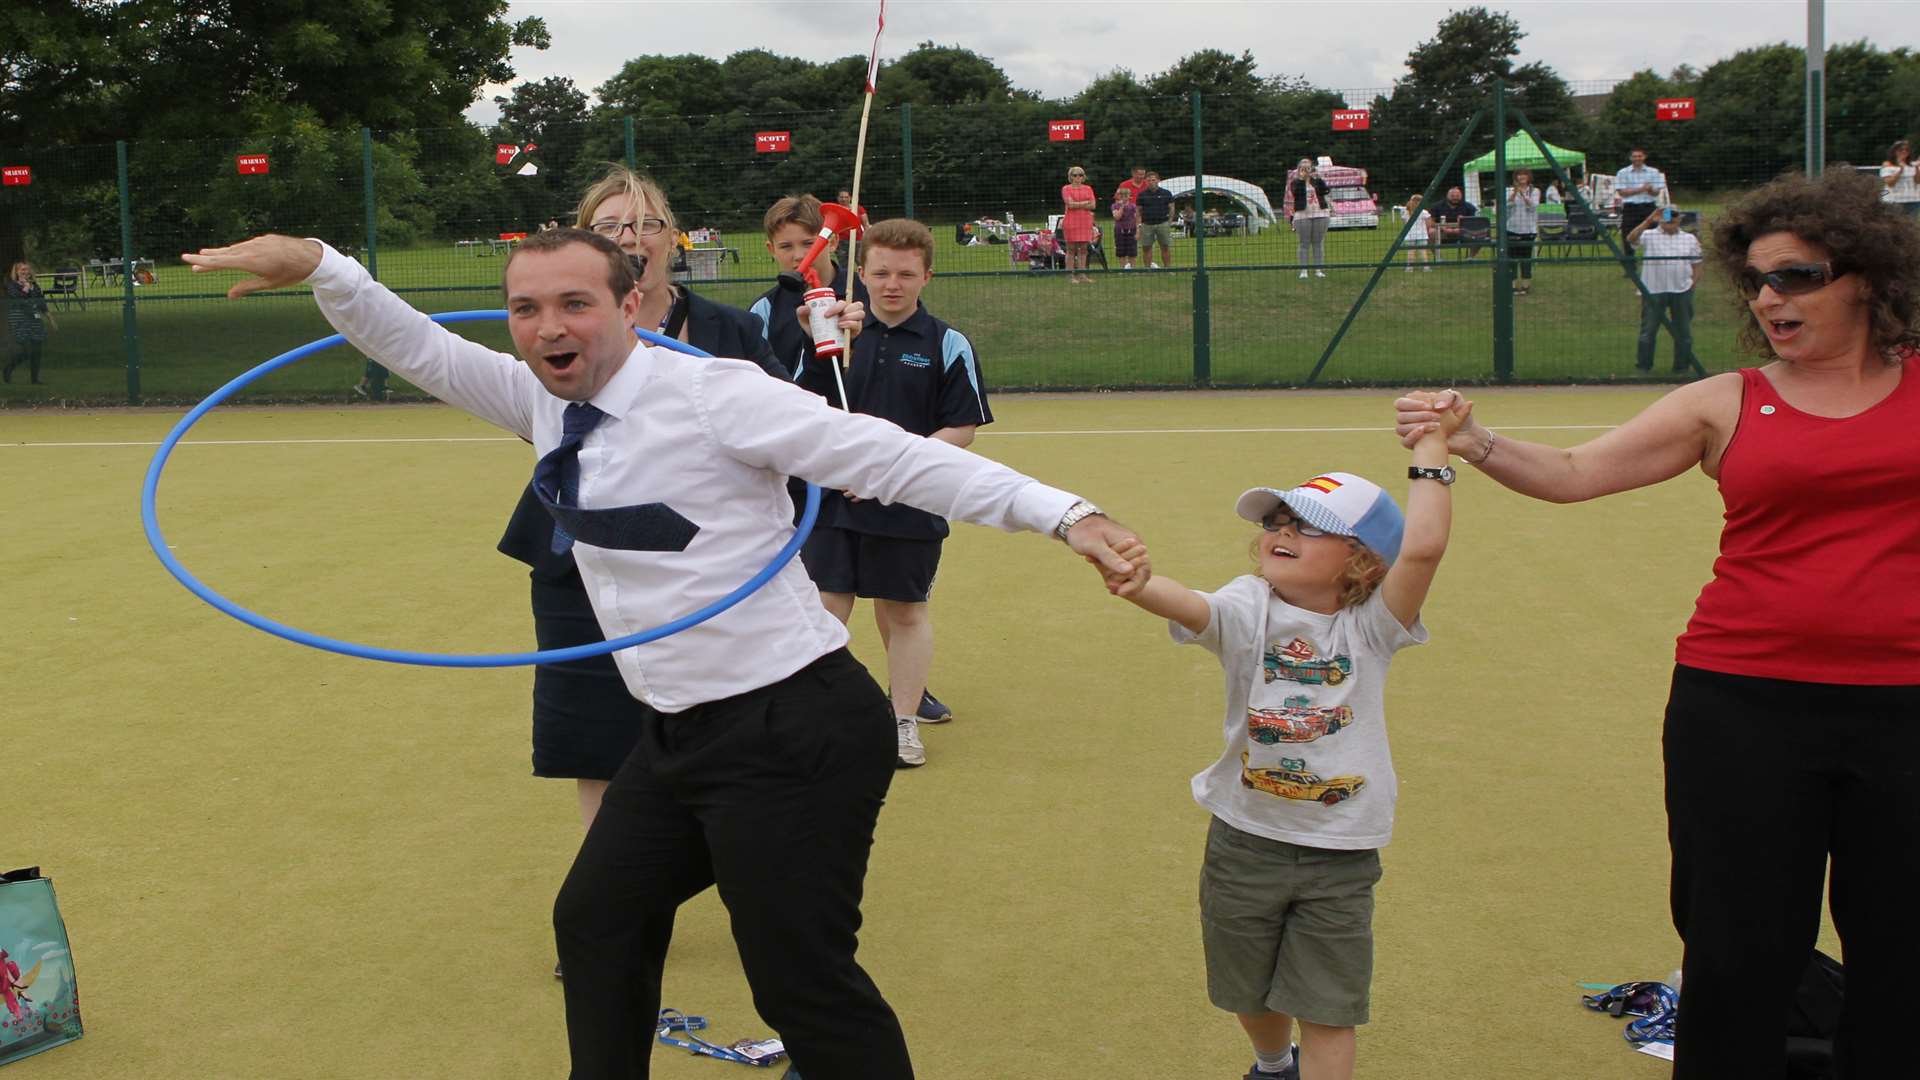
pixel 1040 508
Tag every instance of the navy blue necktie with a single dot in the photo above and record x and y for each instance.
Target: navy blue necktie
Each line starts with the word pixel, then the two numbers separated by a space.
pixel 556 481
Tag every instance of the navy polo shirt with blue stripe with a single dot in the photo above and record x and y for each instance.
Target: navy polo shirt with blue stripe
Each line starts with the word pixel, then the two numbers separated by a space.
pixel 923 375
pixel 791 339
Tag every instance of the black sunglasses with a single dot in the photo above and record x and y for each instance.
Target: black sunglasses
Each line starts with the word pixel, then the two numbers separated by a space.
pixel 1795 280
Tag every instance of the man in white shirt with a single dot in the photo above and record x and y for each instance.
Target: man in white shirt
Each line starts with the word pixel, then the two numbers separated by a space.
pixel 1639 187
pixel 768 750
pixel 1669 268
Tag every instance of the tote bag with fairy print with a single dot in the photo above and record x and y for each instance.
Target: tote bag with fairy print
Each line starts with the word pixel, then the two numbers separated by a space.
pixel 39 1002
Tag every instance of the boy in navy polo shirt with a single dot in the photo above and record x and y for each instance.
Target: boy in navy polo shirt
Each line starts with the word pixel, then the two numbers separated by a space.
pixel 791 225
pixel 920 373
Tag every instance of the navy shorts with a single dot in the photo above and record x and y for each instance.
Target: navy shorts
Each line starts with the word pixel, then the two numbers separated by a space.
pixel 875 567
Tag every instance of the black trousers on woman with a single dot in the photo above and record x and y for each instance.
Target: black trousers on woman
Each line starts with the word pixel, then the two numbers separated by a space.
pixel 772 795
pixel 1769 782
pixel 1520 250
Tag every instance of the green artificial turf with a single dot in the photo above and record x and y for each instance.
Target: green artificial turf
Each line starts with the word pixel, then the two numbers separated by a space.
pixel 276 862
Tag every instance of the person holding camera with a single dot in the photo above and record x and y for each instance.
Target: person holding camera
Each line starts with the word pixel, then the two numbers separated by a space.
pixel 1669 266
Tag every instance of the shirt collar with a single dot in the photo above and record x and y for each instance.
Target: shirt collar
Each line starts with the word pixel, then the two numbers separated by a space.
pixel 621 391
pixel 920 323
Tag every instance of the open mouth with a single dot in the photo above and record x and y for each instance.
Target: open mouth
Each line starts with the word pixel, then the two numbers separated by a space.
pixel 1784 327
pixel 561 361
pixel 1283 552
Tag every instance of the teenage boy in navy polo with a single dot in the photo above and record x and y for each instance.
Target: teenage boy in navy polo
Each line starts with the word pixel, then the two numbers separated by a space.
pixel 920 373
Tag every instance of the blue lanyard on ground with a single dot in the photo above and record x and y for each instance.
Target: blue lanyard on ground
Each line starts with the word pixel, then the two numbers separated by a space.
pixel 757 1052
pixel 1654 1004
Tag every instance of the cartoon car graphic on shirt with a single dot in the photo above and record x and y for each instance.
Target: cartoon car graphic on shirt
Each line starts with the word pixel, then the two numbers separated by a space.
pixel 1297 720
pixel 1297 662
pixel 1292 781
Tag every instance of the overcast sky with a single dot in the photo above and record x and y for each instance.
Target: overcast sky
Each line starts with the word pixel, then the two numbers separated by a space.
pixel 1055 47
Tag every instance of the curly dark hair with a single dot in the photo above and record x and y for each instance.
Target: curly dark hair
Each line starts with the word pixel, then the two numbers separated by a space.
pixel 1841 211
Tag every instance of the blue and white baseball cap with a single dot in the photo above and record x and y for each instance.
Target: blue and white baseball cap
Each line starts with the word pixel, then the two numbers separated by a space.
pixel 1340 503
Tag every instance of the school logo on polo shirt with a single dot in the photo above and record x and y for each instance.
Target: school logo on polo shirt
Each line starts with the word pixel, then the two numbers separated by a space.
pixel 915 360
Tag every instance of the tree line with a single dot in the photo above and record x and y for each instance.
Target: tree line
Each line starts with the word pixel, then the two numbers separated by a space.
pixel 191 86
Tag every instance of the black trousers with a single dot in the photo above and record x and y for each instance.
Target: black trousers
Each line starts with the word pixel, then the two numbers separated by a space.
pixel 1520 251
pixel 1633 213
pixel 773 796
pixel 1768 781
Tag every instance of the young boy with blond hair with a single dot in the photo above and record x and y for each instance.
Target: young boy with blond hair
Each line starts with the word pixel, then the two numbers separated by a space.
pixel 1302 797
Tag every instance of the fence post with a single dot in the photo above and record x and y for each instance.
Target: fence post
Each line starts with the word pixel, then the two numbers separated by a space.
pixel 1816 87
pixel 372 376
pixel 1502 269
pixel 906 152
pixel 1202 292
pixel 366 183
pixel 627 123
pixel 129 321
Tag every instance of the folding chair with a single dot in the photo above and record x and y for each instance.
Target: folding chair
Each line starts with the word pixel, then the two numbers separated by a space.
pixel 65 289
pixel 1475 233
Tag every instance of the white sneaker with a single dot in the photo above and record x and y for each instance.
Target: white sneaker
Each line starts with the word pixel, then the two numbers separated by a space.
pixel 912 753
pixel 1303 275
pixel 1319 273
pixel 1426 269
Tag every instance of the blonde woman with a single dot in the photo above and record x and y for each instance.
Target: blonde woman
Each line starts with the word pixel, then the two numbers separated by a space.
pixel 1076 226
pixel 27 319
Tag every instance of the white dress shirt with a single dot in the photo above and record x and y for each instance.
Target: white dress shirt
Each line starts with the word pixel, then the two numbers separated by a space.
pixel 1664 271
pixel 715 440
pixel 1640 176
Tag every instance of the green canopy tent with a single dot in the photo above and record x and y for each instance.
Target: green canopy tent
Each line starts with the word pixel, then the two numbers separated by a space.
pixel 1522 153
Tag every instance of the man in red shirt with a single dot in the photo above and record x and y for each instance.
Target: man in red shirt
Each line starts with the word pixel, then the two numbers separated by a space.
pixel 1131 187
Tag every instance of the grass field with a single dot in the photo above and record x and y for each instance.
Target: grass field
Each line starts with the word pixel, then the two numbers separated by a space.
pixel 1267 327
pixel 280 863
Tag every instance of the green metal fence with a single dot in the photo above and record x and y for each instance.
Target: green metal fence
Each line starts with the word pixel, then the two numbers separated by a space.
pixel 1241 304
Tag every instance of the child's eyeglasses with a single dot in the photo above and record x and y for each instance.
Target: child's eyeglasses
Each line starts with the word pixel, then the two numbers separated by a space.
pixel 1280 519
pixel 1796 280
pixel 651 226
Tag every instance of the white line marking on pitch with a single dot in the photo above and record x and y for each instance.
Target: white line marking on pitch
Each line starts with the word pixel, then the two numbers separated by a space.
pixel 1004 434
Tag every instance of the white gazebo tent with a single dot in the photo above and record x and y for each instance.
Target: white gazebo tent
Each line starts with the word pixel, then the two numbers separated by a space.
pixel 1251 197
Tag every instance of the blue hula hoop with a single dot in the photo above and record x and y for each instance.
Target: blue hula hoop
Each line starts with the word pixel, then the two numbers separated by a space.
pixel 158 541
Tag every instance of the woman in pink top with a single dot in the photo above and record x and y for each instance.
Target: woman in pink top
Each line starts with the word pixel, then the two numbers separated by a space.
pixel 1077 226
pixel 1792 736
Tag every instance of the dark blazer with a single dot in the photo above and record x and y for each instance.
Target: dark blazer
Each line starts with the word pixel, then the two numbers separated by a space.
pixel 721 330
pixel 1299 187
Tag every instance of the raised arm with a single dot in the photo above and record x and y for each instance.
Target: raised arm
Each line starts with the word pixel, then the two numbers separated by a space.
pixel 1687 427
pixel 1429 522
pixel 491 385
pixel 1170 600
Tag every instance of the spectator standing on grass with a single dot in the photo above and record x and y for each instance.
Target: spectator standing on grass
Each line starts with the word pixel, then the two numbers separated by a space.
pixel 1156 221
pixel 1450 212
pixel 841 250
pixel 1132 186
pixel 1309 210
pixel 1639 187
pixel 1419 236
pixel 1897 174
pixel 1302 798
pixel 1791 748
pixel 28 320
pixel 911 369
pixel 1669 282
pixel 1522 226
pixel 1076 226
pixel 1126 227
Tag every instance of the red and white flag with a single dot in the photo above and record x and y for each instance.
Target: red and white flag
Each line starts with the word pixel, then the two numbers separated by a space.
pixel 873 61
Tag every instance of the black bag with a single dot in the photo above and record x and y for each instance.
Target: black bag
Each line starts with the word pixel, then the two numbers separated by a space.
pixel 1813 1018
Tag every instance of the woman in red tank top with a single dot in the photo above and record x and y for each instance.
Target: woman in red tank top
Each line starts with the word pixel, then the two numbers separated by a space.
pixel 1792 735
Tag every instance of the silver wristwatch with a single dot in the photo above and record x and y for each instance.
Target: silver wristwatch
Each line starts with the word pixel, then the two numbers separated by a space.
pixel 1075 513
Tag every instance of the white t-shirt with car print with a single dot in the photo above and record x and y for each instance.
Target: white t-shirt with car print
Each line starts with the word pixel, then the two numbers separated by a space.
pixel 1306 757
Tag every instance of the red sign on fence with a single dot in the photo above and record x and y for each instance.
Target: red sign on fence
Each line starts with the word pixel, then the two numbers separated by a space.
pixel 1673 109
pixel 503 153
pixel 16 175
pixel 1066 131
pixel 251 164
pixel 773 142
pixel 1352 120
